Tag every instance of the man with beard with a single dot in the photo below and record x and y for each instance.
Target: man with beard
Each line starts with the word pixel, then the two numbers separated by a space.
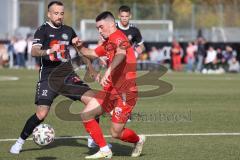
pixel 56 75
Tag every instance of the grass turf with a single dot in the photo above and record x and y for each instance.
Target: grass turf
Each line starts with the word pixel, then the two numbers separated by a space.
pixel 197 104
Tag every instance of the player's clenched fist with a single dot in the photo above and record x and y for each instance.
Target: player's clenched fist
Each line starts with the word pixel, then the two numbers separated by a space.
pixel 54 48
pixel 77 42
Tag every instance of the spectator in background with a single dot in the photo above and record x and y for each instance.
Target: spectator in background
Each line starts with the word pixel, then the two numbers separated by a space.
pixel 20 47
pixel 142 61
pixel 164 57
pixel 234 66
pixel 11 52
pixel 210 60
pixel 3 56
pixel 153 55
pixel 228 55
pixel 219 61
pixel 30 59
pixel 200 53
pixel 190 56
pixel 177 53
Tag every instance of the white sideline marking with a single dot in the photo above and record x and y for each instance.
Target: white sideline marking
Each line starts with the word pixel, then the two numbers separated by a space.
pixel 8 78
pixel 148 135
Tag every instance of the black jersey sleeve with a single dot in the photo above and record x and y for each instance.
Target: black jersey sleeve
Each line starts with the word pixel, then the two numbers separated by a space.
pixel 39 37
pixel 138 37
pixel 73 36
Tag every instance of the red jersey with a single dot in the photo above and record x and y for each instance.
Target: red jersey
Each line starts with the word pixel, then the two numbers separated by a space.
pixel 124 76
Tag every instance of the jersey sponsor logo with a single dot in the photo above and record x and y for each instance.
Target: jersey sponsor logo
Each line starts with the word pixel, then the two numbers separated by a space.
pixel 64 42
pixel 65 36
pixel 51 35
pixel 61 53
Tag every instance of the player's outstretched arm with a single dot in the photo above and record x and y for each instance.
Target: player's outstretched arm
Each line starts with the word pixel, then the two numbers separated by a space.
pixel 78 44
pixel 93 73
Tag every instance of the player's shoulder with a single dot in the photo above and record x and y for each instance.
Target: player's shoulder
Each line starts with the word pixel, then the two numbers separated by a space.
pixel 67 27
pixel 118 34
pixel 118 37
pixel 133 27
pixel 42 27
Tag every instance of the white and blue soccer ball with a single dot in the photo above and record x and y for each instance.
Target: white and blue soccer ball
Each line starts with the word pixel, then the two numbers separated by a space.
pixel 43 134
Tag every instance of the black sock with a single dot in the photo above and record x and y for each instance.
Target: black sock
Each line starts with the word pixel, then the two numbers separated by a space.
pixel 31 123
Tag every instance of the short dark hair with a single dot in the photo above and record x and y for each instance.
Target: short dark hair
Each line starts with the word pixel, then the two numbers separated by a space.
pixel 104 15
pixel 59 3
pixel 124 9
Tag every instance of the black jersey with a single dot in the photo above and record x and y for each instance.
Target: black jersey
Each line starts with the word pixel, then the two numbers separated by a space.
pixel 132 33
pixel 48 35
pixel 56 77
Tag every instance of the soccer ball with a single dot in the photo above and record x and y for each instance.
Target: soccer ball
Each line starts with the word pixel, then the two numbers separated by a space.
pixel 43 134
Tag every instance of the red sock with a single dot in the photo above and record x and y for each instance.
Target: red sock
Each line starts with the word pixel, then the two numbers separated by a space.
pixel 94 130
pixel 129 135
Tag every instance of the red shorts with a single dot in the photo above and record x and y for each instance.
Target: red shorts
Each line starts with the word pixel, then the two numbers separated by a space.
pixel 121 104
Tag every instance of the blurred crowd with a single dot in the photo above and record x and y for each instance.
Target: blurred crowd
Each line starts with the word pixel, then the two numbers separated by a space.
pixel 17 53
pixel 197 56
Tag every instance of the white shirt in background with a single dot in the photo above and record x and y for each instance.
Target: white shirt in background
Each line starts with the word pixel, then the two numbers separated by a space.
pixel 20 46
pixel 211 56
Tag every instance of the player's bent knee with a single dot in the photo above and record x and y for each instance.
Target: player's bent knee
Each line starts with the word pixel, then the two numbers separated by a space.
pixel 86 97
pixel 42 112
pixel 115 134
pixel 86 116
pixel 41 115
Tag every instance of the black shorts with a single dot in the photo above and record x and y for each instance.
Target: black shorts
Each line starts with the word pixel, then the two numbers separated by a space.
pixel 51 85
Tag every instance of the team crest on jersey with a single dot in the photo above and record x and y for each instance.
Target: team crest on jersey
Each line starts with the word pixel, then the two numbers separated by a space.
pixel 118 112
pixel 119 41
pixel 130 37
pixel 64 36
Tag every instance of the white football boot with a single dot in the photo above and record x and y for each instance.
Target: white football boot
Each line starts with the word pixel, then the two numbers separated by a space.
pixel 17 147
pixel 139 146
pixel 100 154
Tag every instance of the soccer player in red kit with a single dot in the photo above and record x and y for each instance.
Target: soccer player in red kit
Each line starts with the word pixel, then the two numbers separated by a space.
pixel 119 87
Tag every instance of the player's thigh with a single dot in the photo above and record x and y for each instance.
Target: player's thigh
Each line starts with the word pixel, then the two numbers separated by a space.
pixel 91 110
pixel 75 89
pixel 44 94
pixel 87 96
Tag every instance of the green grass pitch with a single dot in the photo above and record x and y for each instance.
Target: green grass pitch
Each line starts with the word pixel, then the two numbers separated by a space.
pixel 197 104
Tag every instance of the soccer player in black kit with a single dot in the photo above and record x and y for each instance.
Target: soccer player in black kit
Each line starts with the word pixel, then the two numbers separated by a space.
pixel 56 75
pixel 131 31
